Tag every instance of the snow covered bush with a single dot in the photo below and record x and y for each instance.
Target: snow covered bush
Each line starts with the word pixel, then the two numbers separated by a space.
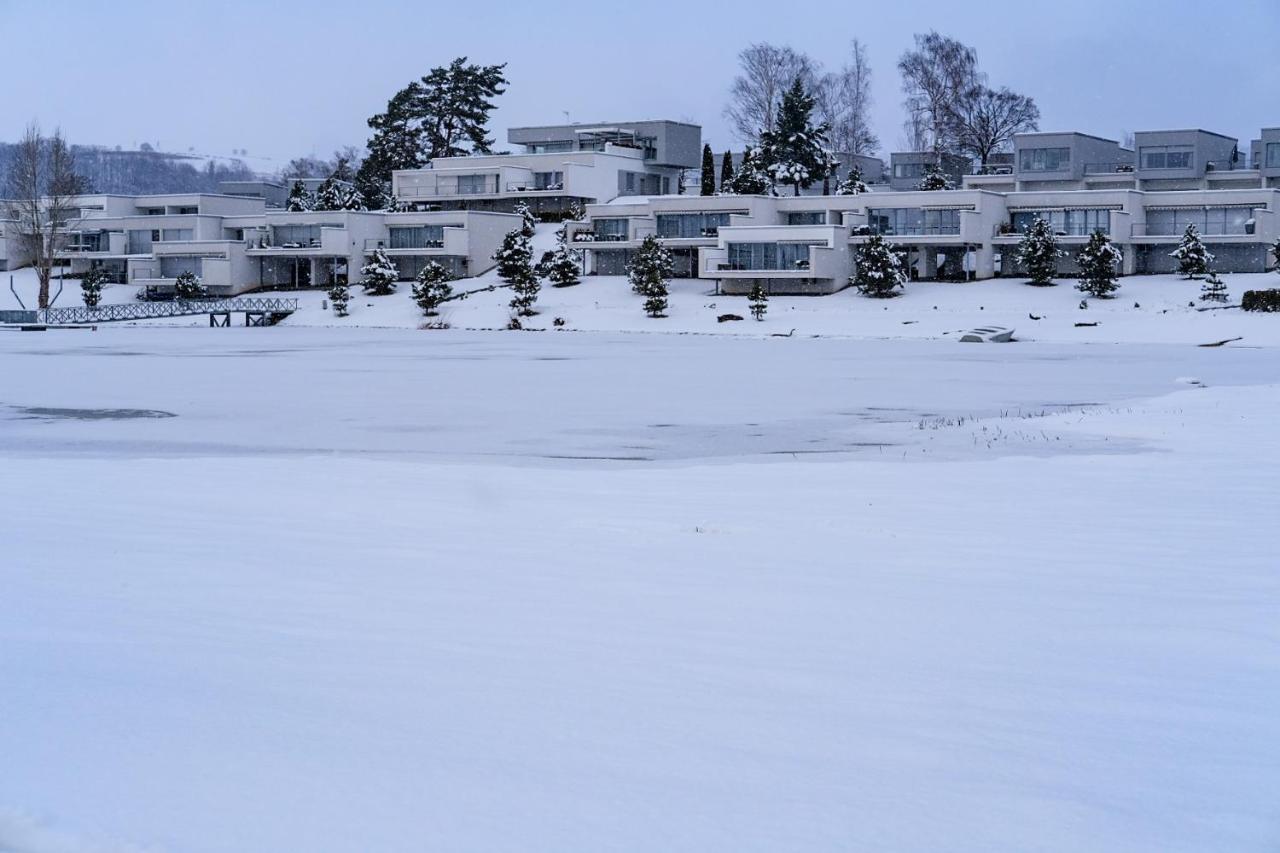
pixel 879 271
pixel 935 179
pixel 759 299
pixel 562 269
pixel 1099 261
pixel 378 277
pixel 299 198
pixel 515 267
pixel 339 295
pixel 853 184
pixel 1261 300
pixel 1193 258
pixel 751 178
pixel 1038 253
pixel 431 288
pixel 330 195
pixel 187 286
pixel 528 220
pixel 91 286
pixel 1214 289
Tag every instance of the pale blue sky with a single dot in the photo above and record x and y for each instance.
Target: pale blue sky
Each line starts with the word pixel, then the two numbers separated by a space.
pixel 282 79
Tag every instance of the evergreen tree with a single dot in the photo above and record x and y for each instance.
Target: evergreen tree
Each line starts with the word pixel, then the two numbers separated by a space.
pixel 91 286
pixel 299 198
pixel 708 171
pixel 562 270
pixel 515 267
pixel 726 174
pixel 329 195
pixel 375 193
pixel 794 151
pixel 853 184
pixel 878 272
pixel 651 263
pixel 935 179
pixel 431 288
pixel 1275 252
pixel 1193 257
pixel 1214 289
pixel 1038 253
pixel 339 295
pixel 577 211
pixel 655 298
pixel 379 276
pixel 1098 262
pixel 759 299
pixel 187 286
pixel 528 221
pixel 750 178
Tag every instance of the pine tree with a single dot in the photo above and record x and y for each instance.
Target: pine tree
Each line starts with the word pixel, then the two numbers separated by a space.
pixel 515 267
pixel 651 263
pixel 1275 252
pixel 329 195
pixel 1098 262
pixel 726 173
pixel 299 198
pixel 339 295
pixel 431 288
pixel 562 270
pixel 577 211
pixel 379 276
pixel 374 192
pixel 794 151
pixel 655 298
pixel 91 286
pixel 708 171
pixel 759 299
pixel 750 178
pixel 187 286
pixel 853 184
pixel 879 270
pixel 1193 257
pixel 1038 253
pixel 1214 289
pixel 528 221
pixel 935 179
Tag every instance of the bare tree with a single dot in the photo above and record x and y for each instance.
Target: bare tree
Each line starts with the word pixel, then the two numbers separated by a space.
pixel 844 104
pixel 42 187
pixel 985 120
pixel 766 72
pixel 935 76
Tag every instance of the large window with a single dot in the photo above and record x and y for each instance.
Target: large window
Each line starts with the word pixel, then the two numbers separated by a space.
pixel 1273 155
pixel 609 229
pixel 1166 156
pixel 691 224
pixel 297 236
pixel 1208 220
pixel 769 256
pixel 912 171
pixel 1044 159
pixel 548 180
pixel 807 217
pixel 140 241
pixel 170 235
pixel 1074 222
pixel 418 237
pixel 473 184
pixel 172 266
pixel 913 220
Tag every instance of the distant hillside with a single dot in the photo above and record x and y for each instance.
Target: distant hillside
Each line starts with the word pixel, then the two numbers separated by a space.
pixel 110 170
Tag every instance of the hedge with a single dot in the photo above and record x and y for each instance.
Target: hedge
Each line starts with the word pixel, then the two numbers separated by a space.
pixel 1261 300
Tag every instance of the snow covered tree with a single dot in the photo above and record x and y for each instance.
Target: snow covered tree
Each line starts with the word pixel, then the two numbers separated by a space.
pixel 708 171
pixel 339 295
pixel 1275 251
pixel 379 276
pixel 853 184
pixel 330 195
pixel 1038 253
pixel 515 267
pixel 1214 289
pixel 1193 257
pixel 91 286
pixel 794 150
pixel 879 271
pixel 759 299
pixel 299 198
pixel 935 179
pixel 750 179
pixel 562 269
pixel 726 174
pixel 373 190
pixel 187 286
pixel 1098 262
pixel 577 211
pixel 528 221
pixel 431 287
pixel 651 263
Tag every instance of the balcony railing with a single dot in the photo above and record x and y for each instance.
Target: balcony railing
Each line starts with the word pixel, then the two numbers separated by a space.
pixel 373 243
pixel 1233 229
pixel 801 265
pixel 447 190
pixel 527 187
pixel 1240 165
pixel 920 231
pixel 1108 168
pixel 593 237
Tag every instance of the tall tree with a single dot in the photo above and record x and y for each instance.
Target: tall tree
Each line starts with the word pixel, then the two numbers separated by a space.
pixel 1098 262
pixel 984 120
pixel 454 107
pixel 726 171
pixel 41 192
pixel 396 141
pixel 708 171
pixel 1193 258
pixel 794 150
pixel 935 75
pixel 844 104
pixel 878 271
pixel 765 72
pixel 1038 253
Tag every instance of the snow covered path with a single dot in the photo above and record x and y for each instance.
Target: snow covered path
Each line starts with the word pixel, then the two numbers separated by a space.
pixel 342 600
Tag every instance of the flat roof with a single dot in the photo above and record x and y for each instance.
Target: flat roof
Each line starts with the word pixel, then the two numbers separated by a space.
pixel 601 125
pixel 1188 130
pixel 1018 136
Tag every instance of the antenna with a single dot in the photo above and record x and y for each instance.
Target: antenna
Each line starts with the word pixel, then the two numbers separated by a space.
pixel 566 117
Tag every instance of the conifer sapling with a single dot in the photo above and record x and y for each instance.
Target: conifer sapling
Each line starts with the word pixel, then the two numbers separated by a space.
pixel 1193 258
pixel 1038 253
pixel 1214 289
pixel 759 299
pixel 879 271
pixel 339 295
pixel 1098 262
pixel 431 288
pixel 379 276
pixel 91 286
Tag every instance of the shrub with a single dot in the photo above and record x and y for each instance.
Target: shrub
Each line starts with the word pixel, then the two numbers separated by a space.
pixel 1261 300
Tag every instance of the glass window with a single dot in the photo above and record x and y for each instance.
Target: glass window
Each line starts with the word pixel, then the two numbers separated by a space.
pixel 1166 156
pixel 1273 155
pixel 473 184
pixel 912 171
pixel 418 237
pixel 172 266
pixel 691 225
pixel 140 241
pixel 769 256
pixel 807 217
pixel 169 235
pixel 1044 159
pixel 548 180
pixel 913 220
pixel 1208 220
pixel 609 229
pixel 1076 222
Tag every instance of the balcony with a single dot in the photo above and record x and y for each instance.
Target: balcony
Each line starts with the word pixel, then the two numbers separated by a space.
pixel 488 187
pixel 528 187
pixel 922 231
pixel 372 244
pixel 594 237
pixel 1108 169
pixel 1237 165
pixel 1242 231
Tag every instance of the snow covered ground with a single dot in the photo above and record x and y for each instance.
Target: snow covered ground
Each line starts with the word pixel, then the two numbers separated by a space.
pixel 386 589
